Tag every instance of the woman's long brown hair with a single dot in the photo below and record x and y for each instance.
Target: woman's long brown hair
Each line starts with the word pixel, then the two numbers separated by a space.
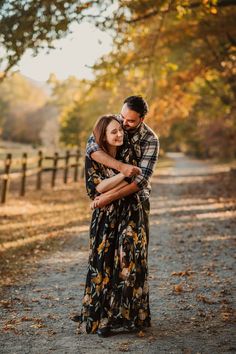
pixel 99 130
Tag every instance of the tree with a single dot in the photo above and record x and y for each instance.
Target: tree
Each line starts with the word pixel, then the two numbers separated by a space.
pixel 36 24
pixel 181 56
pixel 20 100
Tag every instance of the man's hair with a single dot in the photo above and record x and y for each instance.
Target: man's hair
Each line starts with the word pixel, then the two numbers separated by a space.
pixel 137 104
pixel 99 130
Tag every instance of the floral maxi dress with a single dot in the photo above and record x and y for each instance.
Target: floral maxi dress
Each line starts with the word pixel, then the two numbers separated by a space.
pixel 116 291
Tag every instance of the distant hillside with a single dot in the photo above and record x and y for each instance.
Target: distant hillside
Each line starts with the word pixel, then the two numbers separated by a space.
pixel 40 84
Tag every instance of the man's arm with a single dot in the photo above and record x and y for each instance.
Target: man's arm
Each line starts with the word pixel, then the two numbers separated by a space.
pixel 147 163
pixel 93 150
pixel 107 160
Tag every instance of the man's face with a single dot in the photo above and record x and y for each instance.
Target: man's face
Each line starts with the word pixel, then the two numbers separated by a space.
pixel 131 119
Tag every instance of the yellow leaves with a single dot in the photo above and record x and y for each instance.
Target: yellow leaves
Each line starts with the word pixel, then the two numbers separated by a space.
pixel 182 287
pixel 204 299
pixel 141 334
pixel 181 11
pixel 211 5
pixel 213 10
pixel 171 66
pixel 124 347
pixel 38 325
pixel 178 288
pixel 183 273
pixel 6 303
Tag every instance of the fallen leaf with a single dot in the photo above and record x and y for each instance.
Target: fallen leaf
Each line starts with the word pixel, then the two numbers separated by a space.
pixel 141 334
pixel 178 288
pixel 205 299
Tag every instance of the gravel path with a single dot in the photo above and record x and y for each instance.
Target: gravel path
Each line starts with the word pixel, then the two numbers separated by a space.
pixel 190 269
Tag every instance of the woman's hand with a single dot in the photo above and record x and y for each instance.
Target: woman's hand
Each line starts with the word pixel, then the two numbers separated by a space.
pixel 101 201
pixel 94 204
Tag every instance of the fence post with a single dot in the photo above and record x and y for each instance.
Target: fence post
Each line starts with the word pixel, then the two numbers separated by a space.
pixel 39 173
pixel 77 156
pixel 54 170
pixel 5 181
pixel 66 168
pixel 23 178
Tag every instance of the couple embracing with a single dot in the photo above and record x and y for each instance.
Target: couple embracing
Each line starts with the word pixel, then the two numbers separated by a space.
pixel 120 158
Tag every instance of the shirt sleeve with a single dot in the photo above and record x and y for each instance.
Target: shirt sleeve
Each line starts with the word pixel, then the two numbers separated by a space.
pixel 91 146
pixel 147 163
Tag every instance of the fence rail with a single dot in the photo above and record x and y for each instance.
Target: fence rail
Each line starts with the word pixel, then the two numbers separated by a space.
pixel 25 172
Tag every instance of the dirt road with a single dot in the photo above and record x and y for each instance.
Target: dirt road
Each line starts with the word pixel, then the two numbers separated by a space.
pixel 192 292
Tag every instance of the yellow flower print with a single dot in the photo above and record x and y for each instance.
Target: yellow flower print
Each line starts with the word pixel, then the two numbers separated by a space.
pixel 101 246
pixel 96 180
pixel 132 224
pixel 105 280
pixel 145 287
pixel 98 288
pixel 142 314
pixel 97 279
pixel 108 270
pixel 94 327
pixel 138 292
pixel 107 246
pixel 131 266
pixel 86 299
pixel 129 231
pixel 135 237
pixel 125 313
pixel 124 273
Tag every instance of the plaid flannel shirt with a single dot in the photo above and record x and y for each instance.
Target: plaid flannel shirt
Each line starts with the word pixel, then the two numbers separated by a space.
pixel 146 145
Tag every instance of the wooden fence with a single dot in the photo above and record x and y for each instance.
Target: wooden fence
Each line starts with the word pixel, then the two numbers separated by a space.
pixel 39 160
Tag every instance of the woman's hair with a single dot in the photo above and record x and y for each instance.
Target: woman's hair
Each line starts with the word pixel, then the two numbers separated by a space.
pixel 99 130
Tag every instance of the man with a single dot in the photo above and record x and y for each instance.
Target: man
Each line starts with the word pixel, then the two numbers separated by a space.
pixel 146 145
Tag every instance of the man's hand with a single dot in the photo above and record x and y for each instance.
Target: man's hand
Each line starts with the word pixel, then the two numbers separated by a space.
pixel 130 170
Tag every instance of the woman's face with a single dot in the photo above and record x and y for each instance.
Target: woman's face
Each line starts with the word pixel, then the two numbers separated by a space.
pixel 114 133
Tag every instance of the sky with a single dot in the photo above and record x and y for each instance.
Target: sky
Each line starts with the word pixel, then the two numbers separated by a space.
pixel 71 57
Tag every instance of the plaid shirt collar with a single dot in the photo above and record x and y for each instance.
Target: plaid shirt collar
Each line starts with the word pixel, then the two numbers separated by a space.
pixel 139 134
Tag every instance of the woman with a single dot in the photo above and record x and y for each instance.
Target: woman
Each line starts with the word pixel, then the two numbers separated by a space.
pixel 116 292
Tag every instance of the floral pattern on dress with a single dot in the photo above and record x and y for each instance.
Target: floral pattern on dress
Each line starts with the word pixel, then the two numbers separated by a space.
pixel 116 290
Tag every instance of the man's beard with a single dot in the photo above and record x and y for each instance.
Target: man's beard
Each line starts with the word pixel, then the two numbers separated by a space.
pixel 132 130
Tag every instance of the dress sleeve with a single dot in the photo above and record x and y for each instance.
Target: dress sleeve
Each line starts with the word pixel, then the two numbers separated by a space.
pixel 93 176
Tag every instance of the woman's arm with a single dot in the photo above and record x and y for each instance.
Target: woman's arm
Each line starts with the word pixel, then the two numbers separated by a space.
pixel 109 183
pixel 109 193
pixel 114 194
